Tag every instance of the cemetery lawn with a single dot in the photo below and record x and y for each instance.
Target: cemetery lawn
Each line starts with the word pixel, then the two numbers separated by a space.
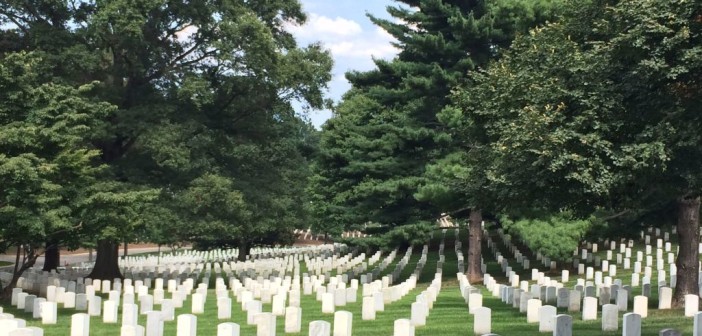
pixel 449 315
pixel 5 263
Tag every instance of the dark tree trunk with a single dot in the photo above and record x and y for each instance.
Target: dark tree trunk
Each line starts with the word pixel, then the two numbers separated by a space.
pixel 107 261
pixel 126 249
pixel 475 231
pixel 244 249
pixel 17 271
pixel 688 239
pixel 52 257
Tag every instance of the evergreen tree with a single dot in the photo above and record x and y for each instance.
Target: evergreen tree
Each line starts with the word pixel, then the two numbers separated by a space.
pixel 374 152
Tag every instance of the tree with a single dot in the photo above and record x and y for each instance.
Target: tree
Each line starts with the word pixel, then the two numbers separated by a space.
pixel 600 115
pixel 190 71
pixel 375 151
pixel 47 163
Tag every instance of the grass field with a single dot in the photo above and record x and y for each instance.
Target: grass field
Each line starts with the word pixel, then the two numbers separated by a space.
pixel 449 315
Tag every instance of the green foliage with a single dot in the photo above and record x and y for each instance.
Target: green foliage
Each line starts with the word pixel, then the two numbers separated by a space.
pixel 374 152
pixel 47 164
pixel 555 236
pixel 202 94
pixel 404 236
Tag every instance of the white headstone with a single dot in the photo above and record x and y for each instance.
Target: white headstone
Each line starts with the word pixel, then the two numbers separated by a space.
pixel 187 325
pixel 692 305
pixel 80 324
pixel 403 327
pixel 109 312
pixel 610 317
pixel 228 329
pixel 533 306
pixel 48 312
pixel 641 305
pixel 320 328
pixel 368 308
pixel 665 298
pixel 547 316
pixel 224 308
pixel 293 319
pixel 130 314
pixel 154 323
pixel 482 321
pixel 632 325
pixel 589 308
pixel 343 322
pixel 564 325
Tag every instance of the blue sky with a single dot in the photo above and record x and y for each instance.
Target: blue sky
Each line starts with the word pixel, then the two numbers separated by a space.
pixel 343 28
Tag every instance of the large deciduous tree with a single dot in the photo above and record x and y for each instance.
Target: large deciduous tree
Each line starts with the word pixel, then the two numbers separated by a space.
pixel 201 87
pixel 47 162
pixel 600 112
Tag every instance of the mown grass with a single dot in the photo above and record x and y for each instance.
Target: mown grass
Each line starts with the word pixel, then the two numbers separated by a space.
pixel 448 317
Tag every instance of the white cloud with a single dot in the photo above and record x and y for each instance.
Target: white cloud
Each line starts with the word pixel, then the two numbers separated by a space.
pixel 320 27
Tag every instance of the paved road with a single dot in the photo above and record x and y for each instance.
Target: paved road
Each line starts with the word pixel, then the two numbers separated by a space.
pixel 80 257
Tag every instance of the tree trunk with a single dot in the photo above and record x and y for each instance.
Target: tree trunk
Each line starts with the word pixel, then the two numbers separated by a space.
pixel 126 249
pixel 244 249
pixel 688 239
pixel 107 261
pixel 17 272
pixel 475 231
pixel 52 257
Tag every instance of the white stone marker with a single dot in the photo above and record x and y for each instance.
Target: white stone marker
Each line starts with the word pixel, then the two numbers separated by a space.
pixel 94 306
pixel 692 305
pixel 697 325
pixel 665 298
pixel 547 317
pixel 475 301
pixel 80 324
pixel 154 323
pixel 168 309
pixel 327 303
pixel 589 308
pixel 293 319
pixel 632 325
pixel 198 304
pixel 610 317
pixel 109 312
pixel 641 305
pixel 564 325
pixel 228 329
pixel 343 322
pixel 403 327
pixel 278 306
pixel 418 314
pixel 368 308
pixel 253 307
pixel 69 300
pixel 130 314
pixel 265 324
pixel 320 328
pixel 26 332
pixel 187 325
pixel 146 304
pixel 533 306
pixel 224 308
pixel 48 312
pixel 482 321
pixel 37 308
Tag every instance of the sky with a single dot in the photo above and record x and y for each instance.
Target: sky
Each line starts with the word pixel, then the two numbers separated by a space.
pixel 343 28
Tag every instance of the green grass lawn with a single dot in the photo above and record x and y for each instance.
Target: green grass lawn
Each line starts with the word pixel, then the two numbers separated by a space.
pixel 448 317
pixel 5 263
